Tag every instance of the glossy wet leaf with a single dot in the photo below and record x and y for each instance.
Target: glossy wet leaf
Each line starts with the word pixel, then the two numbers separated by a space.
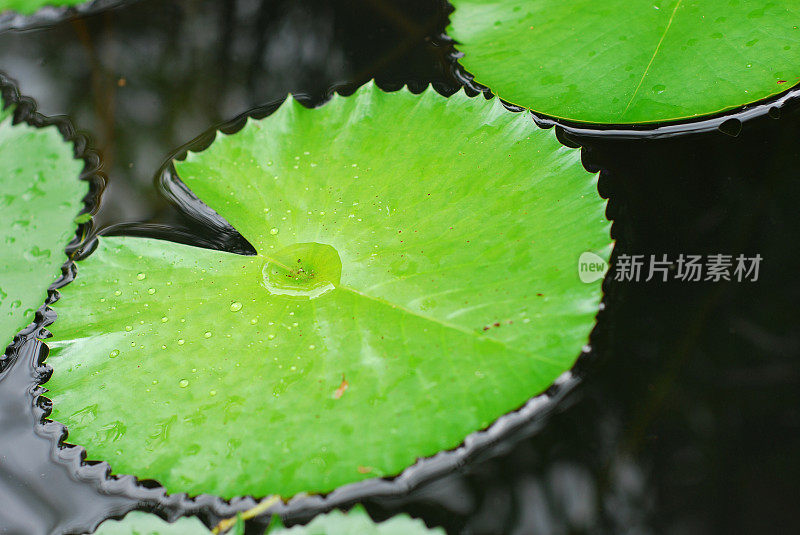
pixel 623 61
pixel 40 196
pixel 415 279
pixel 358 522
pixel 27 7
pixel 139 523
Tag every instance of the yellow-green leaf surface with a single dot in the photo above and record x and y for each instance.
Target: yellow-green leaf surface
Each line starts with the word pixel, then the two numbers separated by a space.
pixel 630 61
pixel 40 196
pixel 415 279
pixel 27 7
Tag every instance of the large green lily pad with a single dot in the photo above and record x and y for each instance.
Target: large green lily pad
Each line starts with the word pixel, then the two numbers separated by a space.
pixel 415 280
pixel 40 196
pixel 622 61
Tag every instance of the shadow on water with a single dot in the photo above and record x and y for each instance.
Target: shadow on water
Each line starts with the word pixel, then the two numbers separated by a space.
pixel 687 419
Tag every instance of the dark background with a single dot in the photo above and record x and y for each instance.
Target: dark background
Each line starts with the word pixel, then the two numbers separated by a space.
pixel 688 417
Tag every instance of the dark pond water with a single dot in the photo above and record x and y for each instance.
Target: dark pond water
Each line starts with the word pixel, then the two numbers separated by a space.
pixel 687 419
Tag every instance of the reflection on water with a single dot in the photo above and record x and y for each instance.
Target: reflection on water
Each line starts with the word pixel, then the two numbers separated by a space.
pixel 687 420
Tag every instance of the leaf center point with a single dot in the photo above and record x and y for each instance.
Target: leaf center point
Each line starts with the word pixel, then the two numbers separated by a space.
pixel 303 270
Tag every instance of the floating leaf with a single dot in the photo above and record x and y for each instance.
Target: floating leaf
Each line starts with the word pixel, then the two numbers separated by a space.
pixel 626 62
pixel 27 7
pixel 139 523
pixel 355 522
pixel 358 522
pixel 40 195
pixel 415 280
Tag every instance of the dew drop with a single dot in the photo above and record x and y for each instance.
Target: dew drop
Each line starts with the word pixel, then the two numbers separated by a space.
pixel 270 336
pixel 151 291
pixel 212 393
pixel 184 383
pixel 253 321
pixel 114 354
pixel 207 334
pixel 118 292
pixel 164 319
pixel 236 306
pixel 141 276
pixel 128 328
pixel 181 342
pixel 273 231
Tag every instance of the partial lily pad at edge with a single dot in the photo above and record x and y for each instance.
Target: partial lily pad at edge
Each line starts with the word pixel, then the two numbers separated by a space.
pixel 140 523
pixel 354 522
pixel 40 197
pixel 415 279
pixel 358 522
pixel 27 7
pixel 622 62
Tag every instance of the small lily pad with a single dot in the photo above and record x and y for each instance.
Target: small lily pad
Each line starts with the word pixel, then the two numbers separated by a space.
pixel 415 279
pixel 623 62
pixel 40 196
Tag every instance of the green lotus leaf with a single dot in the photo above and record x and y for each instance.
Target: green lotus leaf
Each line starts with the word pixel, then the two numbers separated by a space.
pixel 27 7
pixel 357 521
pixel 139 523
pixel 415 279
pixel 40 196
pixel 622 61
